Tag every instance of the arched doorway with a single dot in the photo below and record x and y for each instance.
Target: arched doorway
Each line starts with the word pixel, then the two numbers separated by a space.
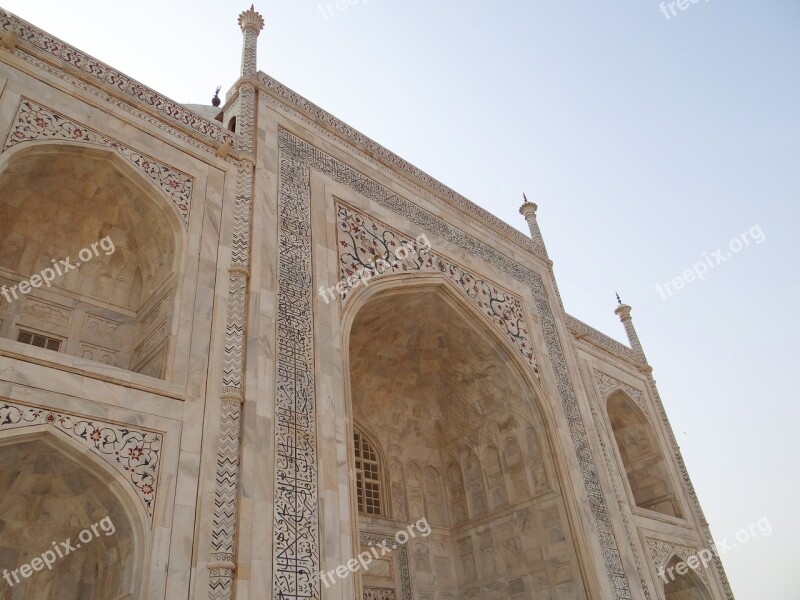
pixel 684 587
pixel 109 245
pixel 453 436
pixel 68 529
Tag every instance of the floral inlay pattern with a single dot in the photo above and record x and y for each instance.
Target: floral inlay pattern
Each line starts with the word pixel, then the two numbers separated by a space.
pixel 363 241
pixel 34 122
pixel 135 453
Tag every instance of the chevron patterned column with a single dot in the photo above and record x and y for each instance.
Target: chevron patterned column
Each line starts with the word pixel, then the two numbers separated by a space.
pixel 223 536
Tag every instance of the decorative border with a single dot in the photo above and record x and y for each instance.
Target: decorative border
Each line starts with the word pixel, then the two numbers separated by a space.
pixel 608 385
pixel 369 538
pixel 296 375
pixel 362 241
pixel 382 158
pixel 226 488
pixel 661 551
pixel 34 122
pixel 101 72
pixel 296 527
pixel 134 453
pixel 581 330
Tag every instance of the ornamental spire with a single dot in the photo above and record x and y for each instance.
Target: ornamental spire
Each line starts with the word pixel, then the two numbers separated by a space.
pixel 623 311
pixel 528 210
pixel 251 24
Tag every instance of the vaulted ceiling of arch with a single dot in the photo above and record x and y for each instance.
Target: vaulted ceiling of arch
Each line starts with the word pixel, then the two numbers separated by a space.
pixel 424 376
pixel 47 496
pixel 54 204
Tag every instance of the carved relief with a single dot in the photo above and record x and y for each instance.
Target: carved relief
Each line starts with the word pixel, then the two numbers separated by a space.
pixel 400 554
pixel 103 329
pixel 152 341
pixel 47 311
pixel 379 594
pixel 99 354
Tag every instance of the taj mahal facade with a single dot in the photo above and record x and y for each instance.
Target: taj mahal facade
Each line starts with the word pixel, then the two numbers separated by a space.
pixel 246 352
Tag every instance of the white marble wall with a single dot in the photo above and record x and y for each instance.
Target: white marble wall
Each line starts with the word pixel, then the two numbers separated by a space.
pixel 182 403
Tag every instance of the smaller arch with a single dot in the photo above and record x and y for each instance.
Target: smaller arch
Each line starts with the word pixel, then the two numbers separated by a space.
pixel 688 586
pixel 458 494
pixel 643 460
pixel 414 493
pixel 97 205
pixel 119 549
pixel 398 489
pixel 475 488
pixel 434 497
pixel 495 478
pixel 515 466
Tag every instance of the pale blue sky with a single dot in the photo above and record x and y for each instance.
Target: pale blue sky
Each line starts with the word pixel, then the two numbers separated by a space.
pixel 646 142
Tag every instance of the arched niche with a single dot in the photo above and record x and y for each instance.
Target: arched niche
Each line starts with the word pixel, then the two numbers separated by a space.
pixel 60 200
pixel 642 458
pixel 687 586
pixel 54 493
pixel 444 395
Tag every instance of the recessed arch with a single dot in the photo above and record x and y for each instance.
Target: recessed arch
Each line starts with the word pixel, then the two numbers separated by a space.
pixel 52 490
pixel 83 204
pixel 462 471
pixel 642 457
pixel 686 586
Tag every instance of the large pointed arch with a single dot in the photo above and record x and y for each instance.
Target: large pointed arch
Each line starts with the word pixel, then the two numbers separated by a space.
pixel 683 583
pixel 52 489
pixel 111 242
pixel 393 291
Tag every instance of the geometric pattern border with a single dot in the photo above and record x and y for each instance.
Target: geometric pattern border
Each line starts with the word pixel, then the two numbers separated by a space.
pixel 34 122
pixel 135 453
